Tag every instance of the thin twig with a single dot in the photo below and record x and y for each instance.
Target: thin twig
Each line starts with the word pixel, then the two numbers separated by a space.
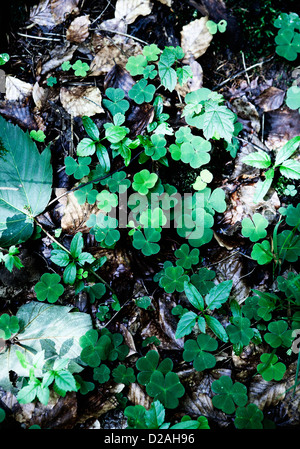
pixel 242 71
pixel 39 37
pixel 124 34
pixel 245 67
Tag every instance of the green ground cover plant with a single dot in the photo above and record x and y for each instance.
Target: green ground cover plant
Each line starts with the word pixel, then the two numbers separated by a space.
pixel 208 317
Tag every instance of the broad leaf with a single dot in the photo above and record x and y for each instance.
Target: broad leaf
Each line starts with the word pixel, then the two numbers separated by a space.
pixel 43 326
pixel 25 186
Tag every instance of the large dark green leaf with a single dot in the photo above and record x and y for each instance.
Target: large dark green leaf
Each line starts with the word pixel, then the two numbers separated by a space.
pixel 25 183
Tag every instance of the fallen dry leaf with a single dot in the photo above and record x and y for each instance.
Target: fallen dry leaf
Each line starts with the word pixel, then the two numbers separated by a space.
pixel 57 56
pixel 19 112
pixel 195 39
pixel 74 215
pixel 270 99
pixel 79 101
pixel 194 83
pixel 129 10
pixel 126 12
pixel 50 13
pixel 78 31
pixel 137 396
pixel 247 113
pixel 16 90
pixel 108 54
pixel 280 126
pixel 166 2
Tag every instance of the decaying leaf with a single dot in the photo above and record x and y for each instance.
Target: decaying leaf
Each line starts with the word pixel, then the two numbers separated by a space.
pixel 126 12
pixel 270 99
pixel 280 126
pixel 194 83
pixel 137 396
pixel 60 412
pixel 166 2
pixel 197 400
pixel 247 113
pixel 241 204
pixel 41 96
pixel 16 90
pixel 82 100
pixel 57 56
pixel 78 31
pixel 20 112
pixel 74 215
pixel 195 39
pixel 108 54
pixel 50 13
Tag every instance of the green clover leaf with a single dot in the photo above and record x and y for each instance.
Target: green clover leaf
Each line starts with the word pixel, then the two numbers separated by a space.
pixel 86 194
pixel 51 81
pixel 104 229
pixel 136 65
pixel 146 241
pixel 279 334
pixel 293 97
pixel 101 374
pixel 261 252
pixel 39 135
pixel 239 331
pixel 228 394
pixel 66 65
pixel 249 417
pixel 157 149
pixel 151 52
pixel 269 368
pixel 123 375
pixel 185 257
pixel 117 182
pixel 143 181
pixel 116 102
pixel 142 92
pixel 80 68
pixel 77 169
pixel 166 389
pixel 49 288
pixel 107 200
pixel 173 279
pixel 8 325
pixel 288 245
pixel 149 364
pixel 254 228
pixel 198 352
pixel 288 44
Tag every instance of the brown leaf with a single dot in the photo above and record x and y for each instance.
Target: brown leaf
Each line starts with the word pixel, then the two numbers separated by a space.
pixel 57 56
pixel 137 396
pixel 108 54
pixel 195 39
pixel 19 112
pixel 82 100
pixel 126 12
pixel 16 90
pixel 247 112
pixel 61 8
pixel 280 126
pixel 78 31
pixel 270 99
pixel 50 13
pixel 194 83
pixel 74 215
pixel 41 14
